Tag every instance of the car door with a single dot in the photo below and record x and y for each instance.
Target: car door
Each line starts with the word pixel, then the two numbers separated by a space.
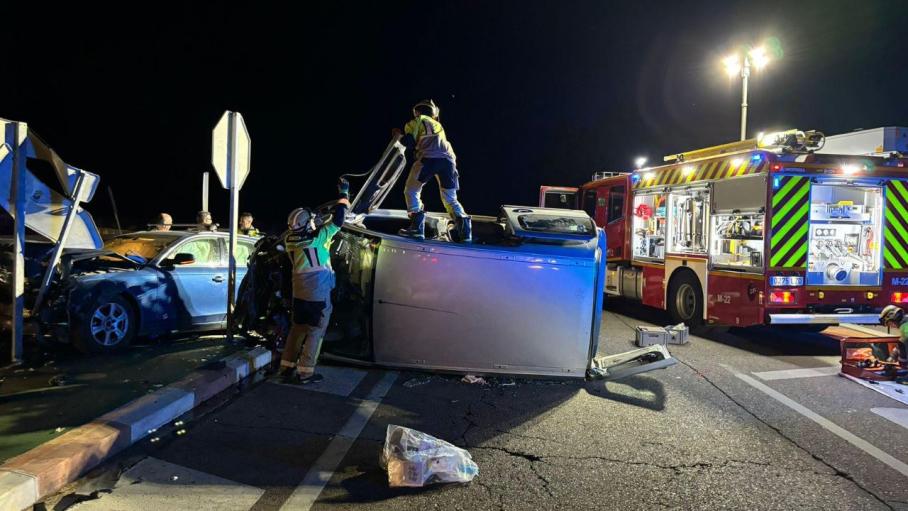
pixel 202 285
pixel 615 226
pixel 243 249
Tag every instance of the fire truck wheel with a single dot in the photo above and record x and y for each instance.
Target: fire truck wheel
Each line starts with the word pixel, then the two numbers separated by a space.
pixel 685 300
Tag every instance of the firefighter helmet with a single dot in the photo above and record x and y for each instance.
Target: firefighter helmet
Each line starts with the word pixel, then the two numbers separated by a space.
pixel 426 107
pixel 891 314
pixel 301 220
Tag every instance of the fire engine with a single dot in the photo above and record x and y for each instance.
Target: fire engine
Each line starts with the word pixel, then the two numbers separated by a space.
pixel 773 230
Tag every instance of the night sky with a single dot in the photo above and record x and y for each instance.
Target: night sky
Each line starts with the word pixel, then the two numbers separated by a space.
pixel 531 93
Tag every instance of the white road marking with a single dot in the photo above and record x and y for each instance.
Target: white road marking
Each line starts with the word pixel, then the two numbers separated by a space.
pixel 788 374
pixel 896 415
pixel 339 381
pixel 828 425
pixel 323 469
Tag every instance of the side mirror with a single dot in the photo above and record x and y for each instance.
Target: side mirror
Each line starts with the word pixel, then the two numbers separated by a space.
pixel 178 260
pixel 182 259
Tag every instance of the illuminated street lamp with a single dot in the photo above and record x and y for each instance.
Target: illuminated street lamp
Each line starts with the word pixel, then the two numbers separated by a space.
pixel 742 63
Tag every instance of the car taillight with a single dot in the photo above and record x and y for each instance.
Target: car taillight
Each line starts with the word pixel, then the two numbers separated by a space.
pixel 781 297
pixel 899 297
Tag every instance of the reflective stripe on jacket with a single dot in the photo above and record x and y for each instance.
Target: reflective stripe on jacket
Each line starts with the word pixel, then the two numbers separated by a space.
pixel 430 138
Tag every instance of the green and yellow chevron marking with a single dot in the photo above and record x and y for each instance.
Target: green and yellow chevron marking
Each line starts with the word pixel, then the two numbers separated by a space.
pixel 789 223
pixel 895 232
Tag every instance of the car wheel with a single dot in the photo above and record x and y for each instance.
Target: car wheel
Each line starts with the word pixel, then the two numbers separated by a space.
pixel 685 300
pixel 109 326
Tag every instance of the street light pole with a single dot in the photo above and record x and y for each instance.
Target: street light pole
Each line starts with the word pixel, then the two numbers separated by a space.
pixel 742 64
pixel 745 74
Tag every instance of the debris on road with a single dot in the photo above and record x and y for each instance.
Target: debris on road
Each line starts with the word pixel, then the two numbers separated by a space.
pixel 58 380
pixel 415 382
pixel 470 378
pixel 414 459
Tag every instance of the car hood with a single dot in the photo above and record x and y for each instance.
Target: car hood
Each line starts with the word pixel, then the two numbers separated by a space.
pixel 80 262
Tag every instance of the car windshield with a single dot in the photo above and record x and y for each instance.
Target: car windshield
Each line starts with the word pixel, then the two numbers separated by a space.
pixel 140 248
pixel 555 223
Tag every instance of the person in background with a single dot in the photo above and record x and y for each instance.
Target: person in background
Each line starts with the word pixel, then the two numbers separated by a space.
pixel 162 222
pixel 204 223
pixel 246 227
pixel 892 316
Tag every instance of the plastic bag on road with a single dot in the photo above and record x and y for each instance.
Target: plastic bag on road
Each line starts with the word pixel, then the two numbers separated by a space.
pixel 413 458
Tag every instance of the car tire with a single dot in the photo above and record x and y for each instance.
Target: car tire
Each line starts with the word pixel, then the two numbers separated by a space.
pixel 685 300
pixel 109 326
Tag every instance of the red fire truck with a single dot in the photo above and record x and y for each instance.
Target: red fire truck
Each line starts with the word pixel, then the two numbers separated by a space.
pixel 768 231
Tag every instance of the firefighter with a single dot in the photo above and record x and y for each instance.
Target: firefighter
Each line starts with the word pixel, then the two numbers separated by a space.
pixel 313 279
pixel 433 157
pixel 894 317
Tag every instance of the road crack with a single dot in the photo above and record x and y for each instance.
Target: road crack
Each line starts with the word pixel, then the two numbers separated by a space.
pixel 836 471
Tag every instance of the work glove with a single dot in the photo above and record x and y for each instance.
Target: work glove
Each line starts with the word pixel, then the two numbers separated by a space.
pixel 343 187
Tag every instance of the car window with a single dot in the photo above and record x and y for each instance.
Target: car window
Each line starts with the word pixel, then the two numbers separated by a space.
pixel 556 224
pixel 242 253
pixel 615 203
pixel 145 247
pixel 589 203
pixel 205 251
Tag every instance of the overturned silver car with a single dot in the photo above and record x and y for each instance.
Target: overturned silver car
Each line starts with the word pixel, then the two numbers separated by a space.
pixel 525 298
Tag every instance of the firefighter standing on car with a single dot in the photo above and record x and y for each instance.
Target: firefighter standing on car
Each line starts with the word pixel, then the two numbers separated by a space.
pixel 433 157
pixel 893 316
pixel 313 279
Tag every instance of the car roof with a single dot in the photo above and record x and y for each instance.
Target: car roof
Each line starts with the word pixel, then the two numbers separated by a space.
pixel 175 235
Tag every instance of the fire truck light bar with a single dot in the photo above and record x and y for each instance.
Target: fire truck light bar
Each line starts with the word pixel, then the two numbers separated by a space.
pixel 786 281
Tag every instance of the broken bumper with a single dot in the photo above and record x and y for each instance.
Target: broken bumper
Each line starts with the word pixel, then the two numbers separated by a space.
pixel 629 363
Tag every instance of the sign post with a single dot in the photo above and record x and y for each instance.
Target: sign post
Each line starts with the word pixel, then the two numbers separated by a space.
pixel 205 192
pixel 230 156
pixel 15 134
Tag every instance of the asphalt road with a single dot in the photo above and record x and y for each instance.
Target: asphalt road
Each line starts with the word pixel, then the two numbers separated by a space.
pixel 721 429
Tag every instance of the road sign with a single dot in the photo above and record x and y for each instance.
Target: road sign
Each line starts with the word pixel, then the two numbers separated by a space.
pixel 221 139
pixel 231 151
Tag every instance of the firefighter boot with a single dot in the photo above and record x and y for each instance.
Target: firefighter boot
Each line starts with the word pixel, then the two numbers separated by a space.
pixel 417 228
pixel 464 226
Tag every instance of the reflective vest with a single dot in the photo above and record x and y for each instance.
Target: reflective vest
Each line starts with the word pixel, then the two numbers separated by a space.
pixel 430 138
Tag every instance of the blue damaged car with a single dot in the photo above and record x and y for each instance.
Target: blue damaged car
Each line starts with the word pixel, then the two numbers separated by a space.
pixel 142 284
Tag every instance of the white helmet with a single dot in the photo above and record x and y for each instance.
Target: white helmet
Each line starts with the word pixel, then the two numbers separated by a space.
pixel 301 220
pixel 891 313
pixel 426 107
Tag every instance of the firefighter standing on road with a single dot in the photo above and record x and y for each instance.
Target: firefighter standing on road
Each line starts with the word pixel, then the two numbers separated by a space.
pixel 893 316
pixel 313 279
pixel 433 157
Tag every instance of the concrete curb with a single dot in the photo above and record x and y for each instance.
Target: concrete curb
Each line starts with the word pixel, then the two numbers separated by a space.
pixel 40 472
